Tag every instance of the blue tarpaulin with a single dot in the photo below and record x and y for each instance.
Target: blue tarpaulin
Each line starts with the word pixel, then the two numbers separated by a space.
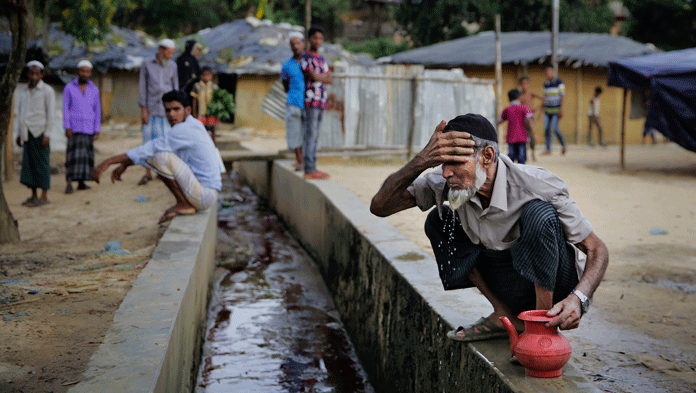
pixel 671 78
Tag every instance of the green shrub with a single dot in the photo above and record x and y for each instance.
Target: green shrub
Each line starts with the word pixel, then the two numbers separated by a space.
pixel 221 105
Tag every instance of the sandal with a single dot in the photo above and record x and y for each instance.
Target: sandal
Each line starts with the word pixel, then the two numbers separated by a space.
pixel 144 180
pixel 29 201
pixel 483 329
pixel 38 202
pixel 317 175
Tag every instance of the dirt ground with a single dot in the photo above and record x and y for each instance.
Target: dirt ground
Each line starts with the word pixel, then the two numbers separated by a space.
pixel 58 290
pixel 638 337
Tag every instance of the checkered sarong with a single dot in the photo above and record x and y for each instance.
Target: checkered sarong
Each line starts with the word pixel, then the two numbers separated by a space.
pixel 540 256
pixel 169 165
pixel 79 157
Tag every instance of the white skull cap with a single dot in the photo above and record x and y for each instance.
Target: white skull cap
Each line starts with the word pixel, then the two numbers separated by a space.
pixel 35 63
pixel 84 63
pixel 167 43
pixel 296 34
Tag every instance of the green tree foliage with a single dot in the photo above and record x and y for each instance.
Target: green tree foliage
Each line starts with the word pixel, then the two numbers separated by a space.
pixel 176 18
pixel 86 20
pixel 444 18
pixel 666 24
pixel 378 47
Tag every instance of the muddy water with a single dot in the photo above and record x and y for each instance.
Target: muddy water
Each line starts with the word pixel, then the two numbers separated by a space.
pixel 272 326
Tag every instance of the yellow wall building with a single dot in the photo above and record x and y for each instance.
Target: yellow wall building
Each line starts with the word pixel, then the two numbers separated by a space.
pixel 583 60
pixel 580 84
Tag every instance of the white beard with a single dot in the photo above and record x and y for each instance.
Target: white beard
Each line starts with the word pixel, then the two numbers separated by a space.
pixel 457 198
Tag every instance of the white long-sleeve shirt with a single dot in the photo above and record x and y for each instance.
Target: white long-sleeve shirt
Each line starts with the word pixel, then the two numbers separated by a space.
pixel 35 111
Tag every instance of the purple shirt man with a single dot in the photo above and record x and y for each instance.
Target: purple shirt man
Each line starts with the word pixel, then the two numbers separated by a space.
pixel 81 112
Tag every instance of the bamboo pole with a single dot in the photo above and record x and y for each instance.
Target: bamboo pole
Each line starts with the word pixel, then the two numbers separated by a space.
pixel 578 115
pixel 498 71
pixel 308 16
pixel 623 130
pixel 412 130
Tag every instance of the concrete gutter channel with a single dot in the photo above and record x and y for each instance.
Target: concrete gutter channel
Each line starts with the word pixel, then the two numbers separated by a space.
pixel 386 289
pixel 153 344
pixel 389 295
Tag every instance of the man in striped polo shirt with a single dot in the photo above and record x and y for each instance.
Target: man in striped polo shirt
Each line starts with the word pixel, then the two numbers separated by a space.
pixel 554 95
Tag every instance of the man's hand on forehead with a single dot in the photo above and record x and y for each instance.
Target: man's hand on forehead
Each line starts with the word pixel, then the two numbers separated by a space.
pixel 451 146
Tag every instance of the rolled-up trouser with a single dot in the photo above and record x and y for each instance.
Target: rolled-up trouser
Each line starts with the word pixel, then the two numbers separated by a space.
pixel 294 126
pixel 540 256
pixel 169 165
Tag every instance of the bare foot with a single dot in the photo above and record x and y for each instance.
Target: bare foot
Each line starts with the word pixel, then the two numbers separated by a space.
pixel 177 210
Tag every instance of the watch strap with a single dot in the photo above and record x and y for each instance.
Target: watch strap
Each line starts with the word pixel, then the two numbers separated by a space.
pixel 584 300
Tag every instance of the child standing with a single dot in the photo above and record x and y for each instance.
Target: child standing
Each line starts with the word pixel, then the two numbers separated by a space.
pixel 202 93
pixel 527 99
pixel 517 115
pixel 593 115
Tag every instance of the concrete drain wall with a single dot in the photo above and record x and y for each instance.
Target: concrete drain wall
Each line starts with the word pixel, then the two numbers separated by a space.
pixel 389 295
pixel 154 342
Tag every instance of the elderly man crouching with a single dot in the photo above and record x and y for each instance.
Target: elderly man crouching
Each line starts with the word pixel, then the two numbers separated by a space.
pixel 517 235
pixel 185 159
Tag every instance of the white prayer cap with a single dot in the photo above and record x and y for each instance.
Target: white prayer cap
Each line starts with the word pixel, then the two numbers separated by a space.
pixel 35 63
pixel 167 43
pixel 84 63
pixel 296 34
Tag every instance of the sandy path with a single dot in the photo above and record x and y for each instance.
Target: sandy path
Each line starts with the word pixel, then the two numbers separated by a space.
pixel 639 335
pixel 47 338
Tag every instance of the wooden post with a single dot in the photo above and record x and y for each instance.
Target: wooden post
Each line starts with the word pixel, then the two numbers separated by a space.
pixel 498 70
pixel 554 36
pixel 412 130
pixel 623 130
pixel 578 116
pixel 308 16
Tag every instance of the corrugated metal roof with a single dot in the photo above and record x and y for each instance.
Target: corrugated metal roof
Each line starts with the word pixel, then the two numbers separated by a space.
pixel 251 46
pixel 244 46
pixel 523 47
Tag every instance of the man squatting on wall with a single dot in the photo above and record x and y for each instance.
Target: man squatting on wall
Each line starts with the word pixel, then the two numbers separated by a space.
pixel 517 235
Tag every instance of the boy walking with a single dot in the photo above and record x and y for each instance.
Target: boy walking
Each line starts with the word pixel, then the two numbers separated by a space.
pixel 316 74
pixel 554 96
pixel 593 115
pixel 294 84
pixel 518 117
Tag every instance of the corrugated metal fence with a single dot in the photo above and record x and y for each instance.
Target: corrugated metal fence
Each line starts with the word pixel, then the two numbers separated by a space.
pixel 393 106
pixel 389 106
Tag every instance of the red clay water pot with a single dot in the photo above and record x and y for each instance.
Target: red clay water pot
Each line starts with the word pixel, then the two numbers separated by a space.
pixel 541 350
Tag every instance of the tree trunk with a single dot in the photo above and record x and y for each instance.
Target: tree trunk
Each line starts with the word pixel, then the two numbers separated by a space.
pixel 18 14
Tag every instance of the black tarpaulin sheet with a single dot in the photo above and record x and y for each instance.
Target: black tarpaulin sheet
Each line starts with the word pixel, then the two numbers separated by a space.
pixel 671 78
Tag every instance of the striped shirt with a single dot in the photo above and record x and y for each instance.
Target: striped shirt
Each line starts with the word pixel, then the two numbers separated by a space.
pixel 553 93
pixel 497 226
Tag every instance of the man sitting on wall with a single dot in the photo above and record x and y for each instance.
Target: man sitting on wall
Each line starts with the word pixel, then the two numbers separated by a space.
pixel 516 234
pixel 185 159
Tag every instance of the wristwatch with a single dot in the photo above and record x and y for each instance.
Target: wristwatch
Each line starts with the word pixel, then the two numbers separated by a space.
pixel 584 300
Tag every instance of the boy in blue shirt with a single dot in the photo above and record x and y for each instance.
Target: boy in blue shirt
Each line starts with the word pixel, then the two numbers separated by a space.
pixel 294 84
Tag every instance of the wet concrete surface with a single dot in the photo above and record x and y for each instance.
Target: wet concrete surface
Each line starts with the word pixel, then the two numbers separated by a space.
pixel 272 325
